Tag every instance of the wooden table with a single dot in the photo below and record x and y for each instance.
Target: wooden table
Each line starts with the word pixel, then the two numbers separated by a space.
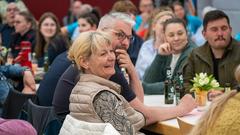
pixel 168 127
pixel 163 128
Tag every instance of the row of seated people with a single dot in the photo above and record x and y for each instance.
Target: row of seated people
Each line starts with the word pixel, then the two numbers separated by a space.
pixel 122 36
pixel 45 38
pixel 106 87
pixel 74 73
pixel 53 51
pixel 62 93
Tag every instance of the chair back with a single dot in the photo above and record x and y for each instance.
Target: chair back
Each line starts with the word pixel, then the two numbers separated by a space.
pixel 185 127
pixel 73 126
pixel 14 104
pixel 43 119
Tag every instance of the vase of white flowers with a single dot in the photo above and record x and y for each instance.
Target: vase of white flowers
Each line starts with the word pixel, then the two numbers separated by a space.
pixel 202 83
pixel 201 97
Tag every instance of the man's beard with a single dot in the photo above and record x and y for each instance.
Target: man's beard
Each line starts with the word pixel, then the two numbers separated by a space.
pixel 119 46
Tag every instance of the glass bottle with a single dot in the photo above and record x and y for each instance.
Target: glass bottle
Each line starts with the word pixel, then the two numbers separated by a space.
pixel 227 87
pixel 124 71
pixel 177 94
pixel 168 88
pixel 4 52
pixel 9 57
pixel 179 87
pixel 181 84
pixel 34 63
pixel 45 62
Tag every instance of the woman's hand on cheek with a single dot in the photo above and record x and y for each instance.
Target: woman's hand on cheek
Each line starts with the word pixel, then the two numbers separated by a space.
pixel 165 49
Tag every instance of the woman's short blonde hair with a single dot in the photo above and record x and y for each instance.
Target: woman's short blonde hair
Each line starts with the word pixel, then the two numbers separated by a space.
pixel 87 44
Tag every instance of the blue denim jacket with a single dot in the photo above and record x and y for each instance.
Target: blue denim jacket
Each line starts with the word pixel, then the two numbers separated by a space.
pixel 8 72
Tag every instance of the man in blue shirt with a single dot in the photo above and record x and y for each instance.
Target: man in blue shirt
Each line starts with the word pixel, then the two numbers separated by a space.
pixel 47 86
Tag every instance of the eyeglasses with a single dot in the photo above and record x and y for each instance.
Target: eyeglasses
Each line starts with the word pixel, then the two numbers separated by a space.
pixel 122 36
pixel 12 9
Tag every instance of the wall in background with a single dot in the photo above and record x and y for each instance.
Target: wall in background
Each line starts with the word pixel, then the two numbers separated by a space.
pixel 60 7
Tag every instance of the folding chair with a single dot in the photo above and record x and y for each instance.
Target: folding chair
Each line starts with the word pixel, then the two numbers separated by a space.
pixel 14 104
pixel 185 127
pixel 43 119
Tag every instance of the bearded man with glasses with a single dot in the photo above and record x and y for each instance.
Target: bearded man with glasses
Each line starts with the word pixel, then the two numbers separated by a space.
pixel 126 6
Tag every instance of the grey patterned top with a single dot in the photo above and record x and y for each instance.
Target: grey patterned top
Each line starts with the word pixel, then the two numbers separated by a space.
pixel 109 108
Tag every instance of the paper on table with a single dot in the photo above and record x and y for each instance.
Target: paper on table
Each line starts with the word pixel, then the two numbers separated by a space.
pixel 192 117
pixel 195 115
pixel 158 100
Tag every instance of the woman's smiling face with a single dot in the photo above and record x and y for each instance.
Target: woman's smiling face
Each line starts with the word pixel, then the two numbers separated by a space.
pixel 101 62
pixel 176 36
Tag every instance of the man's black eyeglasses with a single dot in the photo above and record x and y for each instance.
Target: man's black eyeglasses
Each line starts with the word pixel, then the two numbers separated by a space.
pixel 122 36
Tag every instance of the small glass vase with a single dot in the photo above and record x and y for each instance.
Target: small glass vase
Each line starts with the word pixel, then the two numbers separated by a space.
pixel 201 99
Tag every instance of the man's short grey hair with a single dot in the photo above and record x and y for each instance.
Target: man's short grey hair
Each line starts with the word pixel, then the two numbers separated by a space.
pixel 109 20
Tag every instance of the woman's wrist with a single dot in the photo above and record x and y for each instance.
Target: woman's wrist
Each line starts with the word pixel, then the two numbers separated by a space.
pixel 25 70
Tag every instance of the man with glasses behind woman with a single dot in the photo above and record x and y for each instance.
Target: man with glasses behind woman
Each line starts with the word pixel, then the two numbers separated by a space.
pixel 126 6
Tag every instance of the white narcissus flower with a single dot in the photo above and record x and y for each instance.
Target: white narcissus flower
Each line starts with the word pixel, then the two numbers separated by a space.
pixel 195 79
pixel 214 83
pixel 201 82
pixel 202 75
pixel 206 80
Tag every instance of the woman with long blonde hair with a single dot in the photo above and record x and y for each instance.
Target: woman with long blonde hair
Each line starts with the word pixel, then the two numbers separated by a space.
pixel 223 116
pixel 149 48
